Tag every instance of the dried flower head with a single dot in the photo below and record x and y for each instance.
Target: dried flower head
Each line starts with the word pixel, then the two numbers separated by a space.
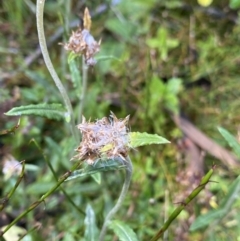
pixel 83 43
pixel 106 138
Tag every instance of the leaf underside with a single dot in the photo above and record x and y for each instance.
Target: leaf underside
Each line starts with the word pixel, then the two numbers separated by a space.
pixel 50 111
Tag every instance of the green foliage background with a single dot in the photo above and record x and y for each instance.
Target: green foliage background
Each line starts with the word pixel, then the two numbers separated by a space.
pixel 156 58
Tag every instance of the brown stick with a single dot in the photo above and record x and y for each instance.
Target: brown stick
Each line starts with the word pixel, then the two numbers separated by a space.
pixel 204 142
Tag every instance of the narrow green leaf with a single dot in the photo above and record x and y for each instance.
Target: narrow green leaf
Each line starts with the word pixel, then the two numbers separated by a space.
pixel 233 193
pixel 123 231
pixel 231 140
pixel 107 57
pixel 50 111
pixel 91 231
pixel 141 139
pixel 204 220
pixel 215 215
pixel 97 177
pixel 75 74
pixel 99 166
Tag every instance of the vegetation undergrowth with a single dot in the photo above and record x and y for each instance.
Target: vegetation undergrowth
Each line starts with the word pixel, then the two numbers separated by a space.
pixel 71 170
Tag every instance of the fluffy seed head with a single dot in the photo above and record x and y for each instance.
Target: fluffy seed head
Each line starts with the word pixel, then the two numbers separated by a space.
pixel 82 42
pixel 106 138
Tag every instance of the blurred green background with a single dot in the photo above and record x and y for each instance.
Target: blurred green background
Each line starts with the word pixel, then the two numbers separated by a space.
pixel 157 59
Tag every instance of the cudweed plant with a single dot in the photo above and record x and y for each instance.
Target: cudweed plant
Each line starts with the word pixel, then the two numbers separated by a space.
pixel 105 143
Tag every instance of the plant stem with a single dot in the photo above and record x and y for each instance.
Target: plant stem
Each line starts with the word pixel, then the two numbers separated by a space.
pixel 179 209
pixel 58 83
pixel 121 198
pixel 42 199
pixel 9 195
pixel 84 89
pixel 56 178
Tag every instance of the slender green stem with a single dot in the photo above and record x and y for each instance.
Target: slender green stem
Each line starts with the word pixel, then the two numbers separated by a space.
pixel 43 46
pixel 120 200
pixel 178 210
pixel 9 195
pixel 42 199
pixel 63 190
pixel 56 178
pixel 67 14
pixel 2 239
pixel 84 89
pixel 11 130
pixel 36 226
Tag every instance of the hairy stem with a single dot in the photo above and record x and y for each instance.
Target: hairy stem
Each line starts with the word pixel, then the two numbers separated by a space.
pixel 5 200
pixel 84 89
pixel 120 200
pixel 43 46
